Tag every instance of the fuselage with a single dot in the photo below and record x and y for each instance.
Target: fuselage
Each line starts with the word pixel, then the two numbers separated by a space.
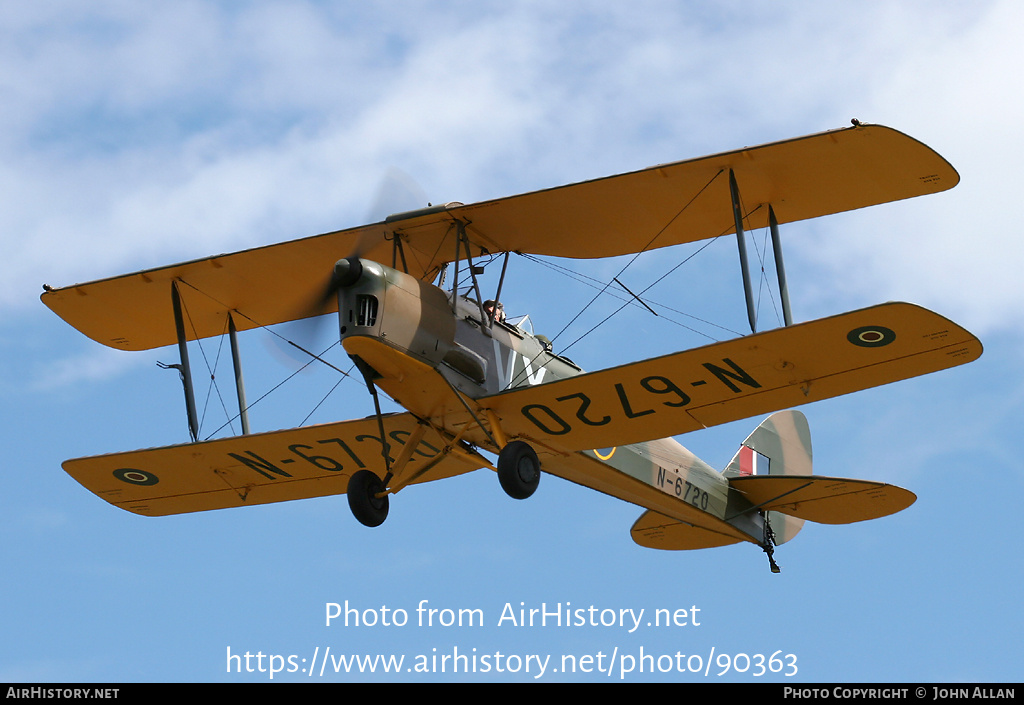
pixel 481 357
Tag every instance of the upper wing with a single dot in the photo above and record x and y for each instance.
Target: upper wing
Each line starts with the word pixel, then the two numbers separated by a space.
pixel 657 207
pixel 806 177
pixel 736 379
pixel 313 461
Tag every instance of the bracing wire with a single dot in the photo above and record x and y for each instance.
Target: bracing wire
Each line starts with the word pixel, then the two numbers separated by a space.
pixel 604 286
pixel 640 252
pixel 645 290
pixel 314 357
pixel 276 387
pixel 213 386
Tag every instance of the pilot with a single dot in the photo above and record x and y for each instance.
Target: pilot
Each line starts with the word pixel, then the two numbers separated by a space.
pixel 495 310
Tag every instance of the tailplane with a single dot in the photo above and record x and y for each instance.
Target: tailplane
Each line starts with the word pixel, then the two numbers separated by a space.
pixel 772 470
pixel 781 445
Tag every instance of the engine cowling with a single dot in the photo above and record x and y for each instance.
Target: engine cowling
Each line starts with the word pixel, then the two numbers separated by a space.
pixel 381 302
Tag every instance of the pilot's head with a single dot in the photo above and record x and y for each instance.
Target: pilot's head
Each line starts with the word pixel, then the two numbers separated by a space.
pixel 494 309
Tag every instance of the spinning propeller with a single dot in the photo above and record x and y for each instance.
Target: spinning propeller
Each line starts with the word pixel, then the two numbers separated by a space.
pixel 396 192
pixel 367 493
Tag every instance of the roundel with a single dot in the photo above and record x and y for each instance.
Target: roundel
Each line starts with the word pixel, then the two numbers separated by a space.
pixel 136 477
pixel 871 336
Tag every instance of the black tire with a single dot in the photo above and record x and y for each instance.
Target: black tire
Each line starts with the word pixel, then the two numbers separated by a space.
pixel 518 470
pixel 366 506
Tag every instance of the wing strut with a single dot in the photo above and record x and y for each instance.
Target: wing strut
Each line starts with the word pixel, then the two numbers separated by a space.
pixel 780 268
pixel 737 214
pixel 236 361
pixel 186 371
pixel 461 235
pixel 497 295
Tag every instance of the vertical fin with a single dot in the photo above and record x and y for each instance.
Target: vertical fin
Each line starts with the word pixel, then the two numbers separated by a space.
pixel 780 445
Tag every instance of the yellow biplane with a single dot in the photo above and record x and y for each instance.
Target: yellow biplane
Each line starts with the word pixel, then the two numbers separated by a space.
pixel 473 381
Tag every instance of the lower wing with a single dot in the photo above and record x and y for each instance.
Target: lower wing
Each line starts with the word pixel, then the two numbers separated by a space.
pixel 735 379
pixel 313 461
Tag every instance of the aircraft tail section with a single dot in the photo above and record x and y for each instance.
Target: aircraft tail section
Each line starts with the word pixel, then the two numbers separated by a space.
pixel 772 470
pixel 772 473
pixel 780 445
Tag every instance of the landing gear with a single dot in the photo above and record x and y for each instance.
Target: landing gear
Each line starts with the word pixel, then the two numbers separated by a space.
pixel 363 490
pixel 518 470
pixel 367 493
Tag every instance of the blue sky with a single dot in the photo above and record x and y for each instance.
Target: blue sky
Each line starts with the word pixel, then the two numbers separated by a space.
pixel 134 136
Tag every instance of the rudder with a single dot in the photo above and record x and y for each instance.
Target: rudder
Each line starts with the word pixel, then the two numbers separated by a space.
pixel 781 445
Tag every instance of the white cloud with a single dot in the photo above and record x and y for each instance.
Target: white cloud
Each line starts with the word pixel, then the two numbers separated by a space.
pixel 956 251
pixel 143 135
pixel 96 364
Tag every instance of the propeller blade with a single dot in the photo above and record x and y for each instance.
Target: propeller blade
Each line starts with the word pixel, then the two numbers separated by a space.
pixel 396 192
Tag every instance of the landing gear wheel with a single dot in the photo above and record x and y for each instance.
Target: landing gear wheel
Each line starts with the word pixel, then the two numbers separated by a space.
pixel 518 470
pixel 368 508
